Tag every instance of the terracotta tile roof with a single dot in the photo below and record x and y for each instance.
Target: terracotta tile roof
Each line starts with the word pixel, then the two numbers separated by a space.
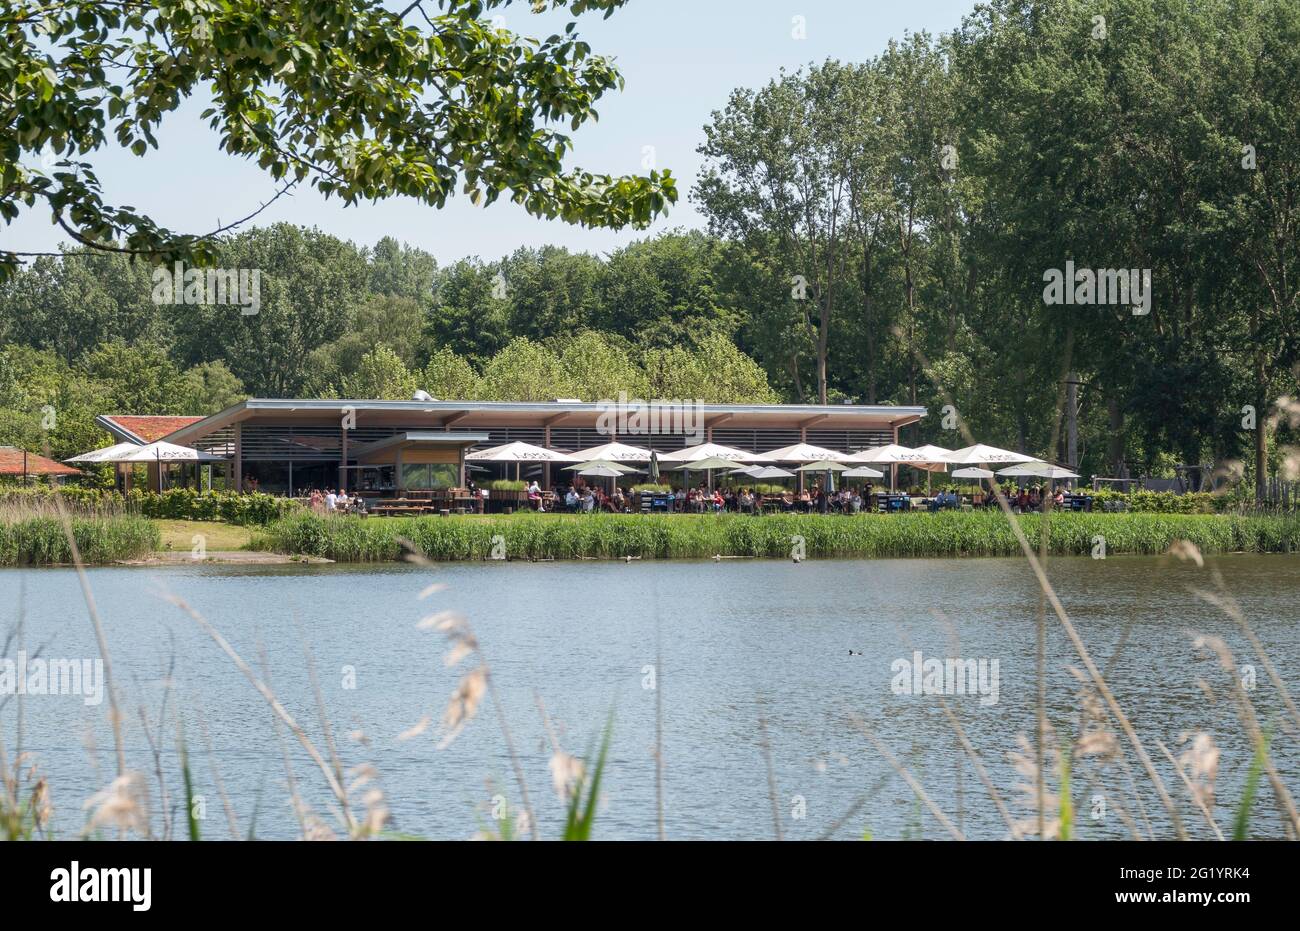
pixel 149 429
pixel 11 463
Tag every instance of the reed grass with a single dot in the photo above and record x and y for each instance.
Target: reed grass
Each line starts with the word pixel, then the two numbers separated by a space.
pixel 682 536
pixel 37 540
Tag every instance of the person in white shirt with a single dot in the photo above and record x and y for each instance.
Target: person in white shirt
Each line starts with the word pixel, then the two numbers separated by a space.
pixel 331 500
pixel 342 501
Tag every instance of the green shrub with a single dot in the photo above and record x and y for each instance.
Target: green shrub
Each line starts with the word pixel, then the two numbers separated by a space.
pixel 172 504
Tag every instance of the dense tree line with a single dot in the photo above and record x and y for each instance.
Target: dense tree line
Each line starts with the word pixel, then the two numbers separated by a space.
pixel 879 231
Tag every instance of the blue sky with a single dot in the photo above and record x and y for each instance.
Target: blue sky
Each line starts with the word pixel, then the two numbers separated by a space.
pixel 681 59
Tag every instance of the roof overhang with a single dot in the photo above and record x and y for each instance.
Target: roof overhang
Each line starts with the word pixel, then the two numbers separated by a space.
pixel 416 438
pixel 468 415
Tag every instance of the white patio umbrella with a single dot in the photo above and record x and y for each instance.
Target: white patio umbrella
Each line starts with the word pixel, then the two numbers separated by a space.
pixel 613 452
pixel 107 454
pixel 893 454
pixel 601 471
pixel 933 458
pixel 518 453
pixel 618 467
pixel 979 454
pixel 712 451
pixel 824 465
pixel 161 452
pixel 803 452
pixel 164 452
pixel 770 472
pixel 829 466
pixel 973 472
pixel 709 465
pixel 863 472
pixel 1039 470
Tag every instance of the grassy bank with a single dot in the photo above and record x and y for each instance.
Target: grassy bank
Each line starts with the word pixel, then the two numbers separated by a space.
pixel 40 539
pixel 533 536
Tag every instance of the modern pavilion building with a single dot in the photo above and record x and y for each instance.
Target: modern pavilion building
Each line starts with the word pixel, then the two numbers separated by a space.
pixel 287 446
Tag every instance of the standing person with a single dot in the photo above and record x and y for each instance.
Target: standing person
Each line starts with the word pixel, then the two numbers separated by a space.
pixel 331 501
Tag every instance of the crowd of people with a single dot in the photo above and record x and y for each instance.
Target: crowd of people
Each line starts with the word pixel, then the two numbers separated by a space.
pixel 331 501
pixel 579 498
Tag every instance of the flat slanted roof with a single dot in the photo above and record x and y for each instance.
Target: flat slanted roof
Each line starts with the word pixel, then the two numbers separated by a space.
pixel 464 415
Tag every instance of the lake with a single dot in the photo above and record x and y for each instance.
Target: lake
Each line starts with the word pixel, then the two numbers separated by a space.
pixel 805 647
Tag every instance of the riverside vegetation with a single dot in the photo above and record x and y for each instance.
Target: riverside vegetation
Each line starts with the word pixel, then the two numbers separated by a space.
pixel 681 536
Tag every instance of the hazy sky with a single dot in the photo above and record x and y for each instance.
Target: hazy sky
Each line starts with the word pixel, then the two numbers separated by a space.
pixel 680 59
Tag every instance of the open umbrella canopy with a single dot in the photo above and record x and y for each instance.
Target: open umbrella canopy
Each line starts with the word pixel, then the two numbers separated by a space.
pixel 704 465
pixel 890 453
pixel 518 452
pixel 617 467
pixel 1038 470
pixel 930 458
pixel 613 452
pixel 765 472
pixel 601 471
pixel 863 472
pixel 107 454
pixel 164 452
pixel 802 452
pixel 823 465
pixel 973 472
pixel 979 453
pixel 712 451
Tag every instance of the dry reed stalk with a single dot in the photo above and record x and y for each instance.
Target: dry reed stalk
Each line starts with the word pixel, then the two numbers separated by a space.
pixel 326 730
pixel 855 807
pixel 231 820
pixel 1071 632
pixel 466 642
pixel 264 690
pixel 295 798
pixel 911 780
pixel 765 745
pixel 1191 790
pixel 115 715
pixel 981 771
pixel 155 750
pixel 1250 721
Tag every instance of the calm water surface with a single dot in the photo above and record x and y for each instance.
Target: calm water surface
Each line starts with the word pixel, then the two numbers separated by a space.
pixel 736 640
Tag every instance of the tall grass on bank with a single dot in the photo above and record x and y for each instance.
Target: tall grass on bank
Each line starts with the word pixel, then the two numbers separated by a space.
pixel 681 536
pixel 35 540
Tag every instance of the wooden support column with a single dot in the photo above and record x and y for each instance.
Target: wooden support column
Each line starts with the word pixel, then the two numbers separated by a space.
pixel 343 458
pixel 893 469
pixel 546 469
pixel 239 457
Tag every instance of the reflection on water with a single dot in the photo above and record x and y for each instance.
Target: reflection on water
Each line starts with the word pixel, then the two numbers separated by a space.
pixel 806 646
